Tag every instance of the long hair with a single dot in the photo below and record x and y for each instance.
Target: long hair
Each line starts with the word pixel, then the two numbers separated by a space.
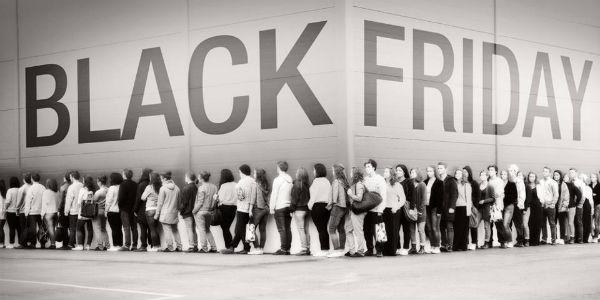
pixel 340 174
pixel 145 175
pixel 301 178
pixel 404 169
pixel 88 183
pixel 357 175
pixel 535 181
pixel 13 182
pixel 469 174
pixel 393 177
pixel 155 182
pixel 3 189
pixel 226 176
pixel 262 180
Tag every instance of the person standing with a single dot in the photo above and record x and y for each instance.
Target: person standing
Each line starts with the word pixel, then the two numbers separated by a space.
pixel 420 195
pixel 596 197
pixel 260 210
pixel 139 209
pixel 374 183
pixel 245 191
pixel 408 226
pixel 2 212
pixel 395 200
pixel 203 211
pixel 548 194
pixel 150 197
pixel 536 218
pixel 227 204
pixel 520 216
pixel 167 209
pixel 126 200
pixel 355 236
pixel 71 208
pixel 562 207
pixel 84 223
pixel 574 197
pixel 49 213
pixel 99 221
pixel 300 196
pixel 486 200
pixel 188 199
pixel 435 193
pixel 587 207
pixel 112 211
pixel 496 209
pixel 450 196
pixel 511 196
pixel 462 211
pixel 21 195
pixel 63 219
pixel 11 211
pixel 320 197
pixel 475 198
pixel 279 203
pixel 337 233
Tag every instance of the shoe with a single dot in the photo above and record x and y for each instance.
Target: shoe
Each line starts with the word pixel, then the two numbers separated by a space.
pixel 191 249
pixel 421 250
pixel 526 243
pixel 142 249
pixel 379 254
pixel 398 251
pixel 594 240
pixel 348 254
pixel 494 244
pixel 553 243
pixel 52 247
pixel 369 253
pixel 241 252
pixel 178 249
pixel 133 248
pixel 543 242
pixel 443 249
pixel 112 249
pixel 335 253
pixel 227 251
pixel 519 245
pixel 320 253
pixel 435 250
pixel 202 251
pixel 278 252
pixel 449 250
pixel 256 252
pixel 560 241
pixel 10 246
pixel 509 245
pixel 357 254
pixel 165 250
pixel 503 246
pixel 486 245
pixel 413 250
pixel 303 253
pixel 571 241
pixel 213 251
pixel 471 247
pixel 404 252
pixel 123 249
pixel 153 249
pixel 78 248
pixel 97 249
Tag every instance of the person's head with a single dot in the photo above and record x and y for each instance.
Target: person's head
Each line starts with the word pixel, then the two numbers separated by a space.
pixel 67 177
pixel 339 173
pixel 401 172
pixel 3 189
pixel 520 176
pixel 532 178
pixel 417 175
pixel 566 178
pixel 430 172
pixel 585 178
pixel 115 178
pixel 155 181
pixel 512 171
pixel 370 167
pixel 13 182
pixel 557 175
pixel 573 173
pixel 190 177
pixel 468 174
pixel 301 176
pixel 319 170
pixel 204 176
pixel 102 180
pixel 594 179
pixel 88 183
pixel 504 175
pixel 75 176
pixel 166 176
pixel 413 173
pixel 145 176
pixel 483 175
pixel 387 173
pixel 546 172
pixel 27 178
pixel 35 177
pixel 282 166
pixel 357 175
pixel 245 170
pixel 226 176
pixel 261 179
pixel 492 171
pixel 442 169
pixel 458 174
pixel 127 174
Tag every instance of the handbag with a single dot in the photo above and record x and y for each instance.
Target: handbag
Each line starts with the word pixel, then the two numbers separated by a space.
pixel 250 232
pixel 369 201
pixel 475 217
pixel 216 217
pixel 89 209
pixel 411 214
pixel 380 234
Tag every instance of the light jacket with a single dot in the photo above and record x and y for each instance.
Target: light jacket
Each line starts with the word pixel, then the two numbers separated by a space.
pixel 50 201
pixel 281 193
pixel 565 197
pixel 547 192
pixel 71 198
pixel 11 200
pixel 33 205
pixel 395 198
pixel 111 204
pixel 150 197
pixel 204 198
pixel 246 192
pixel 338 194
pixel 168 203
pixel 21 195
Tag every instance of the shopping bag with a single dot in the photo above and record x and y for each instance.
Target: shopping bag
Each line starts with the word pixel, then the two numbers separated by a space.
pixel 250 236
pixel 380 234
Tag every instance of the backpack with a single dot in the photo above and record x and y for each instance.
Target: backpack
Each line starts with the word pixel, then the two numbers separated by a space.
pixel 89 208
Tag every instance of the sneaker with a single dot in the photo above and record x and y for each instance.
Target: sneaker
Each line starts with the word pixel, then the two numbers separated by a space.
pixel 594 240
pixel 526 244
pixel 256 252
pixel 241 252
pixel 503 246
pixel 78 248
pixel 494 244
pixel 571 240
pixel 404 252
pixel 88 248
pixel 369 253
pixel 519 245
pixel 335 253
pixel 153 249
pixel 113 248
pixel 435 250
pixel 399 251
pixel 553 243
pixel 421 250
pixel 413 250
pixel 165 250
pixel 202 251
pixel 213 251
pixel 348 254
pixel 560 241
pixel 509 245
pixel 123 249
pixel 471 247
pixel 191 249
pixel 357 254
pixel 178 249
pixel 52 247
pixel 320 254
pixel 543 242
pixel 278 252
pixel 133 248
pixel 142 249
pixel 303 253
pixel 10 246
pixel 379 254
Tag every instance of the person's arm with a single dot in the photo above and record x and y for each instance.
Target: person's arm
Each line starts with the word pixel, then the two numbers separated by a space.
pixel 274 194
pixel 554 193
pixel 252 197
pixel 68 200
pixel 521 195
pixel 453 196
pixel 199 199
pixel 122 194
pixel 161 200
pixel 313 191
pixel 382 187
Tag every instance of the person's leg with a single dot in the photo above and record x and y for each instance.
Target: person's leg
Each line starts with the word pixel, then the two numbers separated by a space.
pixel 459 228
pixel 176 237
pixel 320 216
pixel 90 233
pixel 207 218
pixel 389 247
pixel 518 221
pixel 190 229
pixel 349 229
pixel 358 223
pixel 473 232
pixel 2 236
pixel 435 227
pixel 299 221
pixel 288 229
pixel 572 213
pixel 168 234
pixel 144 230
pixel 97 233
pixel 406 229
pixel 340 229
pixel 11 219
pixel 262 215
pixel 562 228
pixel 103 233
pixel 114 220
pixel 80 233
pixel 487 229
pixel 72 230
pixel 587 221
pixel 579 225
pixel 153 225
pixel 506 222
pixel 134 230
pixel 280 222
pixel 526 214
pixel 544 225
pixel 23 229
pixel 125 222
pixel 228 213
pixel 369 231
pixel 552 221
pixel 422 235
pixel 597 221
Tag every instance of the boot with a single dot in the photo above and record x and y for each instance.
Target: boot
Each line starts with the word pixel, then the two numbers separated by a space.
pixel 526 244
pixel 421 250
pixel 413 249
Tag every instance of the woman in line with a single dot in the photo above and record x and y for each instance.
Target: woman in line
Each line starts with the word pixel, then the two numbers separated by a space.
pixel 300 195
pixel 85 231
pixel 420 196
pixel 11 211
pixel 260 210
pixel 486 199
pixel 562 206
pixel 337 233
pixel 536 217
pixel 462 212
pixel 167 210
pixel 394 201
pixel 112 211
pixel 204 208
pixel 2 212
pixel 50 201
pixel 475 196
pixel 587 207
pixel 596 197
pixel 435 190
pixel 504 176
pixel 320 197
pixel 99 222
pixel 526 212
pixel 227 202
pixel 150 196
pixel 355 236
pixel 407 225
pixel 574 197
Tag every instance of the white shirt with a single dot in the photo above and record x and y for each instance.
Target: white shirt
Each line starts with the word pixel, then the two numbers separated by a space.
pixel 71 198
pixel 320 192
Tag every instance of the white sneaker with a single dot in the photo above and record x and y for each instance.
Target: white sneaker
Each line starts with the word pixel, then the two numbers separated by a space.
pixel 594 240
pixel 87 248
pixel 435 250
pixel 471 247
pixel 335 253
pixel 78 248
pixel 399 251
pixel 113 248
pixel 320 254
pixel 560 241
pixel 256 252
pixel 403 252
pixel 509 245
pixel 153 249
pixel 2 245
pixel 496 244
pixel 10 246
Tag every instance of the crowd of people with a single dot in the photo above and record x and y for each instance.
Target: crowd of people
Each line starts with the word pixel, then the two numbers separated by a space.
pixel 360 212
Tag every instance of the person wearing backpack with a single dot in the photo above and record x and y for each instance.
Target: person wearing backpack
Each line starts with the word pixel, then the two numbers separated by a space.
pixel 85 200
pixel 167 210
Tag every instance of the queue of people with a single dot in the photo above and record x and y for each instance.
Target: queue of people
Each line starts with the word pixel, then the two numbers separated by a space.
pixel 360 212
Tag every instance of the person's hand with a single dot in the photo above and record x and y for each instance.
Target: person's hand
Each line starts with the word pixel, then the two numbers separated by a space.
pixel 521 206
pixel 379 214
pixel 272 211
pixel 215 196
pixel 451 210
pixel 349 192
pixel 480 201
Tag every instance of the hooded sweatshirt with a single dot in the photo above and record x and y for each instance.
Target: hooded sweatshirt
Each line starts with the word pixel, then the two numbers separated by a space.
pixel 168 203
pixel 280 196
pixel 188 198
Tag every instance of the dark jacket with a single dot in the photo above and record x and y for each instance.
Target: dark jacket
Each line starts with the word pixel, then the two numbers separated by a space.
pixel 574 193
pixel 127 194
pixel 140 206
pixel 437 194
pixel 300 195
pixel 596 194
pixel 420 195
pixel 188 199
pixel 449 198
pixel 510 194
pixel 487 196
pixel 475 193
pixel 408 185
pixel 531 197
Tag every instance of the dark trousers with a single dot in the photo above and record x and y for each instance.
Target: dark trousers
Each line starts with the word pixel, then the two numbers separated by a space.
pixel 34 224
pixel 116 228
pixel 283 219
pixel 154 227
pixel 228 213
pixel 433 225
pixel 240 230
pixel 145 234
pixel 13 226
pixel 406 225
pixel 587 221
pixel 259 218
pixel 371 219
pixel 63 223
pixel 579 225
pixel 320 216
pixel 520 227
pixel 461 228
pixel 563 221
pixel 549 216
pixel 82 227
pixel 536 219
pixel 23 226
pixel 447 228
pixel 130 228
pixel 392 224
pixel 72 229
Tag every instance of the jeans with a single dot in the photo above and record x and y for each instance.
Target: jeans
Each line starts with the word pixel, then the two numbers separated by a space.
pixel 565 228
pixel 320 216
pixel 392 226
pixel 420 229
pixel 116 228
pixel 82 227
pixel 99 225
pixel 596 220
pixel 2 237
pixel 587 221
pixel 549 216
pixel 13 226
pixel 406 225
pixel 190 227
pixel 34 225
pixel 579 225
pixel 447 228
pixel 433 220
pixel 228 212
pixel 337 233
pixel 372 219
pixel 203 220
pixel 355 236
pixel 283 221
pixel 260 217
pixel 23 226
pixel 526 214
pixel 301 221
pixel 507 216
pixel 487 232
pixel 240 231
pixel 519 225
pixel 153 227
pixel 130 229
pixel 172 236
pixel 63 223
pixel 572 213
pixel 50 220
pixel 72 230
pixel 145 233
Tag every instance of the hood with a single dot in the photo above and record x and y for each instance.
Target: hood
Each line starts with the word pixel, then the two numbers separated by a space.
pixel 170 184
pixel 286 177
